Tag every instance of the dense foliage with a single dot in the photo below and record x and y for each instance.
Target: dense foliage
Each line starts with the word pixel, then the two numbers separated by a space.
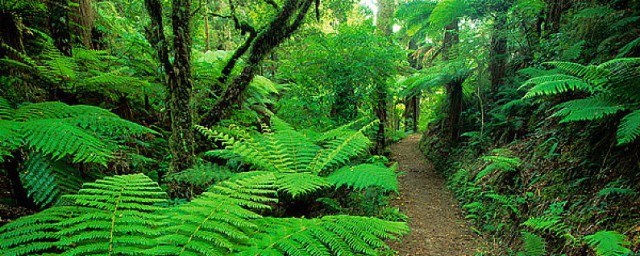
pixel 261 127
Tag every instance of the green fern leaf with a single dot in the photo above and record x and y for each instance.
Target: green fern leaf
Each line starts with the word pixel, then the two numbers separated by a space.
pixel 58 139
pixel 112 215
pixel 117 216
pixel 10 138
pixel 46 180
pixel 629 128
pixel 556 84
pixel 34 234
pixel 588 109
pixel 296 184
pixel 341 149
pixel 364 176
pixel 330 235
pixel 6 111
pixel 217 221
pixel 608 243
pixel 533 245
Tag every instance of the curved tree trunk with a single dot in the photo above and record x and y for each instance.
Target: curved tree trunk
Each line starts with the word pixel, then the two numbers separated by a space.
pixel 282 27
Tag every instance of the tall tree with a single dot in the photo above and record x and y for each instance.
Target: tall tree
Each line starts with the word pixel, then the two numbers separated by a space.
pixel 178 77
pixel 385 25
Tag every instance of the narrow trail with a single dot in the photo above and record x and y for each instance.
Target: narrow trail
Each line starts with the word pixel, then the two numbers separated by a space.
pixel 435 219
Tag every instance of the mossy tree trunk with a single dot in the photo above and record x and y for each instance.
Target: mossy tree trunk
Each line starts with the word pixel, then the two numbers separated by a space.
pixel 258 45
pixel 178 77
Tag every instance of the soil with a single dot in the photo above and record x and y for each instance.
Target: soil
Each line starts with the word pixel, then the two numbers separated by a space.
pixel 436 221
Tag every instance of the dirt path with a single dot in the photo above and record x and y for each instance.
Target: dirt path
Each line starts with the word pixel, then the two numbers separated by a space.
pixel 436 222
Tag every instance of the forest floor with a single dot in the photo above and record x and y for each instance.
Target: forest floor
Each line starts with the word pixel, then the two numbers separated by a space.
pixel 436 221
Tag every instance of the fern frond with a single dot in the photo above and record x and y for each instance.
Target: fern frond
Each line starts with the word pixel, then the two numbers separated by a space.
pixel 546 223
pixel 34 234
pixel 112 215
pixel 296 184
pixel 629 128
pixel 364 176
pixel 58 139
pixel 249 150
pixel 216 221
pixel 592 108
pixel 117 216
pixel 6 111
pixel 556 84
pixel 341 149
pixel 107 124
pixel 617 190
pixel 533 245
pixel 295 149
pixel 628 47
pixel 608 243
pixel 44 110
pixel 10 138
pixel 574 69
pixel 46 180
pixel 114 85
pixel 330 235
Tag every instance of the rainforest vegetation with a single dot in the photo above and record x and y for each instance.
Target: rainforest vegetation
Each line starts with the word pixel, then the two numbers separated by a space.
pixel 263 127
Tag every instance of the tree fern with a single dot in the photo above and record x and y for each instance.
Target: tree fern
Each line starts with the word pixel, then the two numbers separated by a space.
pixel 297 159
pixel 613 87
pixel 608 243
pixel 330 235
pixel 364 176
pixel 121 215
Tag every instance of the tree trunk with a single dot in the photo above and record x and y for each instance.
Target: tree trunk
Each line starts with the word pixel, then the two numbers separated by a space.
pixel 554 11
pixel 178 76
pixel 412 103
pixel 385 25
pixel 59 25
pixel 85 17
pixel 453 88
pixel 286 22
pixel 497 53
